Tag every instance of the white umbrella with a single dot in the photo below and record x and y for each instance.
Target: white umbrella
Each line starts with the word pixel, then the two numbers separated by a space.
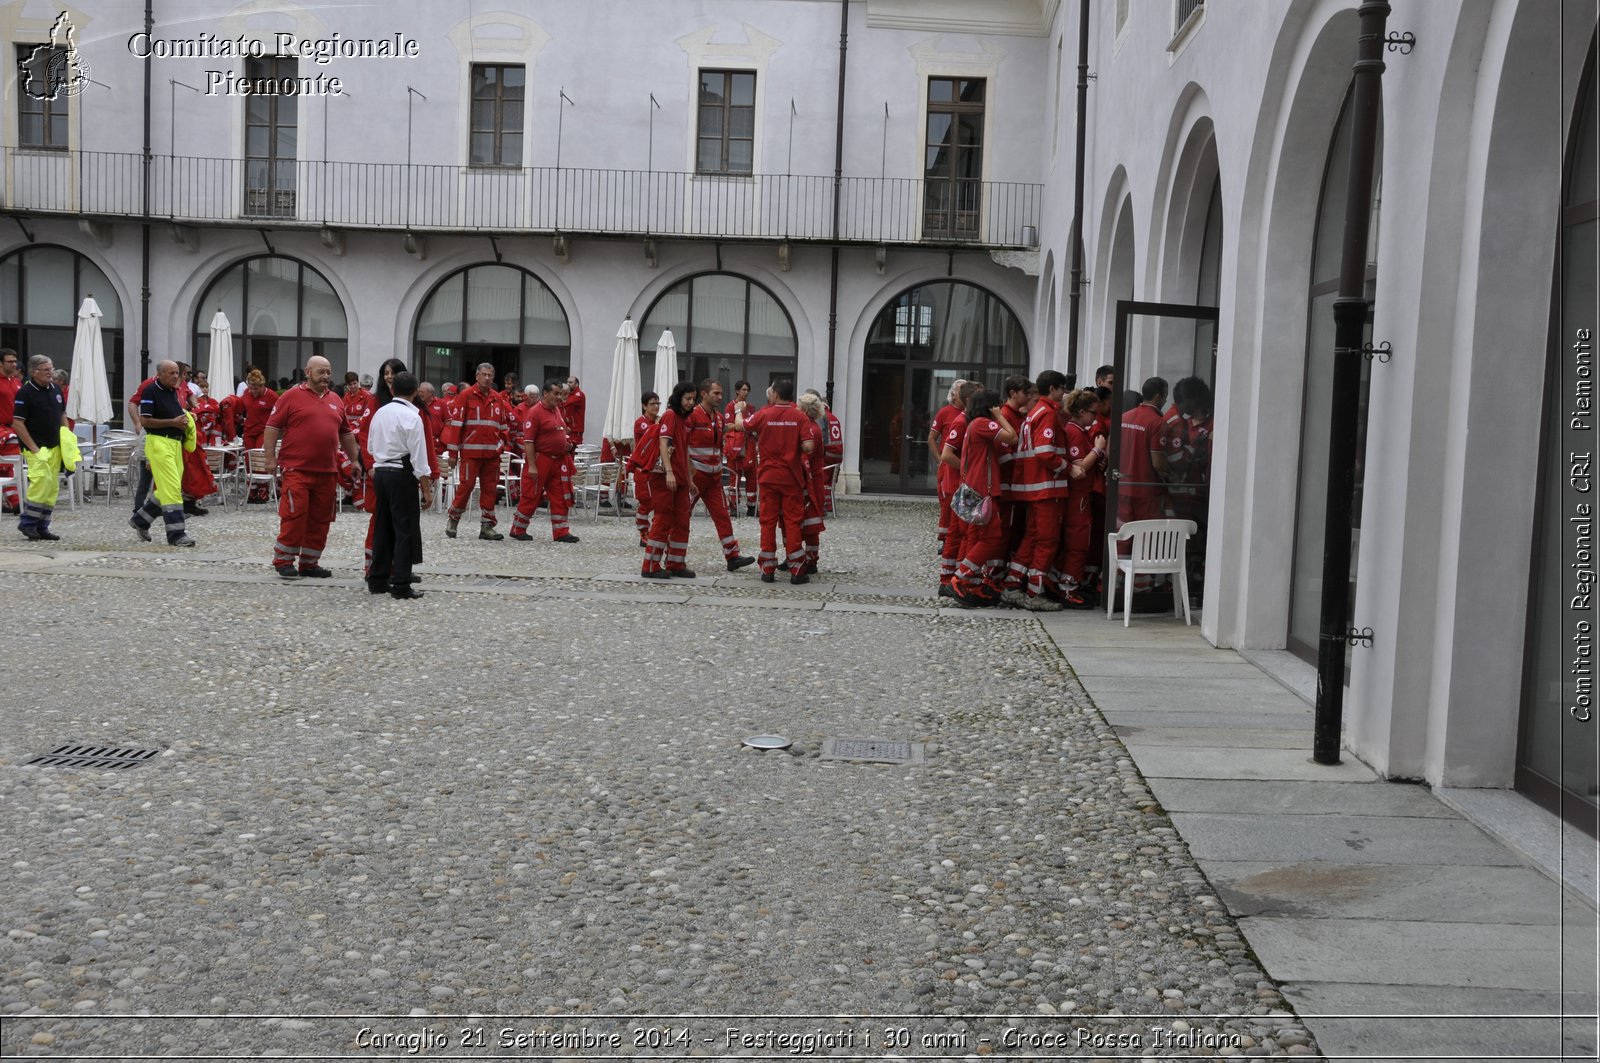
pixel 622 407
pixel 219 369
pixel 666 366
pixel 90 398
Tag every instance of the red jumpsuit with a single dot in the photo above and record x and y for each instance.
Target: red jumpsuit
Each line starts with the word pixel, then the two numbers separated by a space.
pixel 668 543
pixel 1073 553
pixel 779 431
pixel 359 405
pixel 208 420
pixel 738 449
pixel 833 454
pixel 573 412
pixel 1141 495
pixel 198 482
pixel 1011 508
pixel 1039 479
pixel 10 447
pixel 983 546
pixel 945 478
pixel 547 431
pixel 817 492
pixel 640 467
pixel 949 479
pixel 706 439
pixel 478 428
pixel 310 427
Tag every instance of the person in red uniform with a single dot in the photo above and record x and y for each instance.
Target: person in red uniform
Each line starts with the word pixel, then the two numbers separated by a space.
pixel 10 447
pixel 707 430
pixel 945 478
pixel 477 431
pixel 1020 393
pixel 1142 490
pixel 978 576
pixel 782 450
pixel 640 466
pixel 1086 456
pixel 575 411
pixel 812 525
pixel 208 417
pixel 198 482
pixel 307 426
pixel 949 478
pixel 667 546
pixel 358 401
pixel 832 448
pixel 738 450
pixel 545 449
pixel 254 408
pixel 1040 481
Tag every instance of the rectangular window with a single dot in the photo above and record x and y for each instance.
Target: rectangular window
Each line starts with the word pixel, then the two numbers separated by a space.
pixel 498 91
pixel 41 103
pixel 953 173
pixel 1184 9
pixel 727 141
pixel 271 132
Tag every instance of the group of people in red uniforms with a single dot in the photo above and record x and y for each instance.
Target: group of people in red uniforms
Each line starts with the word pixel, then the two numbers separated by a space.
pixel 784 450
pixel 1021 481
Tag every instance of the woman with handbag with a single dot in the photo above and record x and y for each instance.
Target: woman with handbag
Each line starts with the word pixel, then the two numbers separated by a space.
pixel 977 503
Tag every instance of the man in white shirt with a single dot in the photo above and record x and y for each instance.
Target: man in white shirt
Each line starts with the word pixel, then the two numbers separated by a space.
pixel 399 465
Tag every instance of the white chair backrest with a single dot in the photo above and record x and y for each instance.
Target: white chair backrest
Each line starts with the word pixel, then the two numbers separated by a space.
pixel 1157 542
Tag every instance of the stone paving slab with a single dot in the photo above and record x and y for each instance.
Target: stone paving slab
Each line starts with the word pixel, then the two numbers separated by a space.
pixel 1152 664
pixel 1173 692
pixel 1330 888
pixel 1236 737
pixel 1376 1021
pixel 1124 711
pixel 1218 762
pixel 1300 798
pixel 1399 952
pixel 755 603
pixel 1348 839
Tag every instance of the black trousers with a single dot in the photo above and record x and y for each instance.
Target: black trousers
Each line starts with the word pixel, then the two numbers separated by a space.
pixel 397 527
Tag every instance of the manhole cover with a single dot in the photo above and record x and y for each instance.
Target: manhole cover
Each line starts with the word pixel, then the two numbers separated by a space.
pixel 94 757
pixel 878 750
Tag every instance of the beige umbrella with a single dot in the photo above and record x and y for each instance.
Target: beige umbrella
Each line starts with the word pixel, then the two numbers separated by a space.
pixel 219 367
pixel 666 366
pixel 622 406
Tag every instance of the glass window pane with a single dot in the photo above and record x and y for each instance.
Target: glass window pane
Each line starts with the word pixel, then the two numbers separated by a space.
pixel 513 78
pixel 58 129
pixel 544 323
pixel 717 312
pixel 10 291
pixel 286 142
pixel 287 108
pixel 91 281
pixel 939 128
pixel 31 132
pixel 510 150
pixel 741 121
pixel 274 294
pixel 441 318
pixel 741 156
pixel 322 311
pixel 47 284
pixel 972 90
pixel 710 157
pixel 711 88
pixel 1005 344
pixel 710 121
pixel 670 313
pixel 970 130
pixel 494 304
pixel 226 294
pixel 257 110
pixel 483 81
pixel 941 90
pixel 482 115
pixel 770 331
pixel 511 116
pixel 255 141
pixel 482 150
pixel 744 90
pixel 957 332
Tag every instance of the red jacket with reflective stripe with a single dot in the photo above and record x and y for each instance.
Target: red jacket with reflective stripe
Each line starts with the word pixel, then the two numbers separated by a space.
pixel 1039 466
pixel 479 425
pixel 705 440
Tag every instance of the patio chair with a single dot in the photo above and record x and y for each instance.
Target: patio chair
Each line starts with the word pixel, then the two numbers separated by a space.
pixel 598 480
pixel 113 460
pixel 253 469
pixel 1157 546
pixel 217 462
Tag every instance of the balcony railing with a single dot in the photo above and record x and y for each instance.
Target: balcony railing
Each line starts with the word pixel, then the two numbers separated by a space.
pixel 398 196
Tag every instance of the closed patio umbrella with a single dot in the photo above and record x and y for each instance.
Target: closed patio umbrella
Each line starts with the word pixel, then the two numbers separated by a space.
pixel 666 366
pixel 219 367
pixel 89 397
pixel 622 406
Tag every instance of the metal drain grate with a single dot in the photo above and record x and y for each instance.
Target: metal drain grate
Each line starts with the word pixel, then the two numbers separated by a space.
pixel 877 750
pixel 76 756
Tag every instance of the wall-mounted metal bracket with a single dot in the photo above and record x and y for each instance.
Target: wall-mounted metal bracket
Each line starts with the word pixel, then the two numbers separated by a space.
pixel 495 245
pixel 561 248
pixel 1357 637
pixel 270 249
pixel 23 227
pixel 1382 352
pixel 651 257
pixel 1401 42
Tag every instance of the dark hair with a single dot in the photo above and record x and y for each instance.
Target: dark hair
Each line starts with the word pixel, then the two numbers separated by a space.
pixel 1080 400
pixel 1072 381
pixel 555 382
pixel 679 390
pixel 1192 395
pixel 352 378
pixel 1051 378
pixel 1016 382
pixel 1104 371
pixel 1130 399
pixel 1153 387
pixel 737 384
pixel 783 387
pixel 380 390
pixel 982 401
pixel 965 392
pixel 647 398
pixel 1102 393
pixel 707 384
pixel 405 384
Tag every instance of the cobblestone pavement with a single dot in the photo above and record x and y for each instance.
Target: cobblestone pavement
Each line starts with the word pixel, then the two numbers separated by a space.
pixel 526 796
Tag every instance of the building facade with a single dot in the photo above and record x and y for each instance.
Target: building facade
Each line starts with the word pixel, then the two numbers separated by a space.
pixel 507 183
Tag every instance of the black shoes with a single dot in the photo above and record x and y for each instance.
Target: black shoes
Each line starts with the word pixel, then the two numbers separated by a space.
pixel 139 529
pixel 286 572
pixel 404 593
pixel 46 535
pixel 659 573
pixel 798 578
pixel 736 562
pixel 749 511
pixel 769 577
pixel 377 588
pixel 315 572
pixel 567 538
pixel 195 509
pixel 681 573
pixel 522 537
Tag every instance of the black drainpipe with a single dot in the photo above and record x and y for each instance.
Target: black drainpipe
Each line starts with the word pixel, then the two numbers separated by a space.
pixel 1349 322
pixel 144 277
pixel 838 184
pixel 1077 190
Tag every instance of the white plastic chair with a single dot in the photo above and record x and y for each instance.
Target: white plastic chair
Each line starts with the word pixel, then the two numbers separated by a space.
pixel 253 465
pixel 14 474
pixel 1158 547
